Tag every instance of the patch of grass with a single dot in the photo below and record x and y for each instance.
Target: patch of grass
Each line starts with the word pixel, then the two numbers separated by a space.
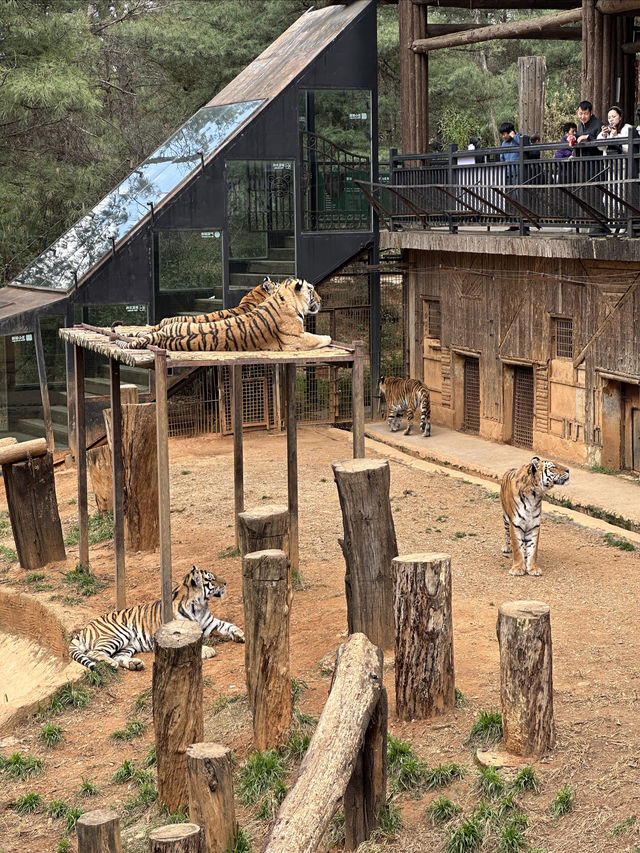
pixel 72 818
pixel 9 555
pixel 64 846
pixel 297 581
pixel 296 746
pixel 50 734
pixel 616 542
pixel 185 473
pixel 242 845
pixel 389 821
pixel 442 518
pixel 442 810
pixel 125 772
pixel 150 757
pixel 84 582
pixel 144 777
pixel 19 766
pixel 465 838
pixel 563 802
pixel 459 534
pixel 68 696
pixel 231 551
pixel 460 700
pixel 142 700
pixel 146 796
pixel 487 728
pixel 397 751
pixel 133 728
pixel 493 496
pixel 624 825
pixel 101 675
pixel 28 803
pixel 100 526
pixel 57 809
pixel 260 772
pixel 442 775
pixel 601 469
pixel 88 788
pixel 271 802
pixel 179 816
pixel 526 780
pixel 511 839
pixel 490 783
pixel 36 580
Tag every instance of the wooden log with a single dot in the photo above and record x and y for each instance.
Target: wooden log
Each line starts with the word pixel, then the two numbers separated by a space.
pixel 211 805
pixel 424 674
pixel 331 758
pixel 117 485
pixel 526 678
pixel 292 465
pixel 563 33
pixel 99 467
pixel 369 546
pixel 414 78
pixel 177 838
pixel 33 511
pixel 177 706
pixel 494 4
pixel 164 492
pixel 366 791
pixel 265 592
pixel 7 440
pixel 99 832
pixel 19 451
pixel 262 528
pixel 532 89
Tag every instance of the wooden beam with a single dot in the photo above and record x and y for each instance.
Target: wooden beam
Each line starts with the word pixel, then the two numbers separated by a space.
pixel 631 47
pixel 495 4
pixel 557 33
pixel 164 495
pixel 617 7
pixel 514 29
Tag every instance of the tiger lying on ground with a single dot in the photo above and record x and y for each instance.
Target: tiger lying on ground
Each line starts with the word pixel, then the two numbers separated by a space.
pixel 404 396
pixel 115 636
pixel 275 324
pixel 521 491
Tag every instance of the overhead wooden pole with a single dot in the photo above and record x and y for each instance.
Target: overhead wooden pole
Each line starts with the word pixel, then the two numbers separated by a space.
pixel 495 4
pixel 557 33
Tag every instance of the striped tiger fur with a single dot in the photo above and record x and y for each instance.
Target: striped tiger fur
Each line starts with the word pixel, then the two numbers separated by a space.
pixel 275 324
pixel 404 396
pixel 521 491
pixel 114 637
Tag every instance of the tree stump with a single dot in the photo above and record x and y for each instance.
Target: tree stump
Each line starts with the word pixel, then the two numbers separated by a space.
pixel 330 761
pixel 369 546
pixel 177 838
pixel 425 682
pixel 262 528
pixel 265 592
pixel 211 805
pixel 99 467
pixel 177 706
pixel 99 832
pixel 33 507
pixel 526 678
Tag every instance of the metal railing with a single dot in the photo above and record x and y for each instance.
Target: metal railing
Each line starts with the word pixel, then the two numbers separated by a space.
pixel 592 187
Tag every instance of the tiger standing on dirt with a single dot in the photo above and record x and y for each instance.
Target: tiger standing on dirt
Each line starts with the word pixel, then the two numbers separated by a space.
pixel 521 491
pixel 275 324
pixel 114 637
pixel 404 396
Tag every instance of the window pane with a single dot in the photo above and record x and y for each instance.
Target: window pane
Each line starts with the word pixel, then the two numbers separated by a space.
pixel 190 260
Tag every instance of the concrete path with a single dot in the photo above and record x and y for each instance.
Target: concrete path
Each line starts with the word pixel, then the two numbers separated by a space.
pixel 613 496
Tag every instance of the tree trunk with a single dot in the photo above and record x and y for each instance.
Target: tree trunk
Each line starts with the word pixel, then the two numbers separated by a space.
pixel 177 838
pixel 33 510
pixel 262 528
pixel 425 682
pixel 414 79
pixel 332 756
pixel 369 546
pixel 526 679
pixel 99 466
pixel 210 772
pixel 532 88
pixel 99 832
pixel 265 591
pixel 177 706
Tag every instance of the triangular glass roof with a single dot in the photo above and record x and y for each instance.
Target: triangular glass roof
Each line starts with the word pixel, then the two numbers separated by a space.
pixel 66 261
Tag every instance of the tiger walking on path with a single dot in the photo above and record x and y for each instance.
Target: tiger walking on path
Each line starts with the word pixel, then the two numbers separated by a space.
pixel 404 396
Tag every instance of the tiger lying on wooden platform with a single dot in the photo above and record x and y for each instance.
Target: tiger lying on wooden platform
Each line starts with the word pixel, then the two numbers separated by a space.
pixel 115 636
pixel 275 324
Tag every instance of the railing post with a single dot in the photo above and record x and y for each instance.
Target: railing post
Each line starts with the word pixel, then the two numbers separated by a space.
pixel 521 180
pixel 630 190
pixel 452 166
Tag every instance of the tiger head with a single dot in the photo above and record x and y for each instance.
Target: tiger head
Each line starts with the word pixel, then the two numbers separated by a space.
pixel 306 296
pixel 200 584
pixel 268 287
pixel 547 474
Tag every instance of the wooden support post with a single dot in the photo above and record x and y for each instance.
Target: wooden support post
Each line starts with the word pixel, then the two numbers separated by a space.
pixel 526 678
pixel 265 592
pixel 177 838
pixel 177 706
pixel 369 545
pixel 238 463
pixel 164 498
pixel 33 508
pixel 101 474
pixel 292 465
pixel 262 528
pixel 81 458
pixel 99 832
pixel 330 761
pixel 357 400
pixel 366 792
pixel 425 683
pixel 211 805
pixel 140 476
pixel 532 88
pixel 118 490
pixel 44 387
pixel 414 78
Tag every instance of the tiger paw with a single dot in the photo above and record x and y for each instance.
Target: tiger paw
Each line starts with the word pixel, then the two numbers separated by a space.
pixel 535 573
pixel 506 551
pixel 208 652
pixel 237 635
pixel 517 572
pixel 132 663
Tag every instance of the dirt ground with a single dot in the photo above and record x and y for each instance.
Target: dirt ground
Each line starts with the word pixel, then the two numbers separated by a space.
pixel 591 587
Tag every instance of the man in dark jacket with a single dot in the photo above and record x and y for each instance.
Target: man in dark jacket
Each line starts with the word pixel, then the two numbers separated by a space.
pixel 589 126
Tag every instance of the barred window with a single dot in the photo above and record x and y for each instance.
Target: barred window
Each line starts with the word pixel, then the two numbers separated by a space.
pixel 563 329
pixel 431 313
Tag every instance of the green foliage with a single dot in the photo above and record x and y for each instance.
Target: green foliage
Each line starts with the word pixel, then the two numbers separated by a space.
pixel 125 772
pixel 296 746
pixel 88 788
pixel 72 816
pixel 64 845
pixel 271 801
pixel 487 728
pixel 9 555
pixel 179 816
pixel 616 542
pixel 133 728
pixel 489 782
pixel 242 845
pixel 563 802
pixel 260 772
pixel 407 770
pixel 526 780
pixel 601 469
pixel 511 838
pixel 50 734
pixel 100 530
pixel 57 809
pixel 68 696
pixel 442 810
pixel 624 825
pixel 102 674
pixel 230 551
pixel 19 766
pixel 84 583
pixel 465 838
pixel 28 803
pixel 460 700
pixel 389 820
pixel 150 757
pixel 442 775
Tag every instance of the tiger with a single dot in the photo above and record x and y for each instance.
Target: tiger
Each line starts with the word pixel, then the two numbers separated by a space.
pixel 403 396
pixel 115 636
pixel 275 324
pixel 521 491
